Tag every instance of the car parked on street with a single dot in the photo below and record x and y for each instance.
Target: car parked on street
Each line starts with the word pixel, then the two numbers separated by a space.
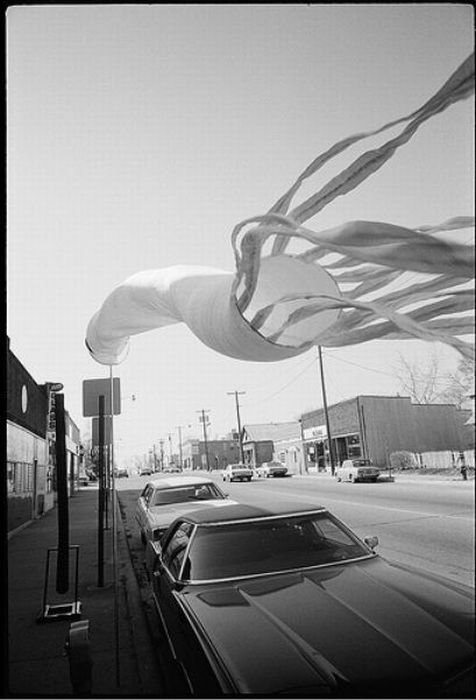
pixel 287 600
pixel 83 478
pixel 145 471
pixel 121 473
pixel 237 472
pixel 166 497
pixel 357 470
pixel 270 469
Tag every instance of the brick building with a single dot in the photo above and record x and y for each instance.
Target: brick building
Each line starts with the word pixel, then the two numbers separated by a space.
pixel 220 453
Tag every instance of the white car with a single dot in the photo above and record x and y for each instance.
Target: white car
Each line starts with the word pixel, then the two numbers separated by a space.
pixel 268 469
pixel 237 472
pixel 357 470
pixel 165 498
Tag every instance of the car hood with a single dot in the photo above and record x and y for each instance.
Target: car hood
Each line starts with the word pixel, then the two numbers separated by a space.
pixel 159 516
pixel 319 632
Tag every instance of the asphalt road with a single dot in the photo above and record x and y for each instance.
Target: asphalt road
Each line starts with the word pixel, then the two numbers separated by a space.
pixel 427 524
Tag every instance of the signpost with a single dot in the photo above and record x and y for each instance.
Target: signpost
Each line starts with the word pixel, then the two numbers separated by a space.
pixel 102 400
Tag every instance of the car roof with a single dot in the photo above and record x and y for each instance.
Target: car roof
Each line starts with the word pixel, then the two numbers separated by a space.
pixel 165 482
pixel 242 511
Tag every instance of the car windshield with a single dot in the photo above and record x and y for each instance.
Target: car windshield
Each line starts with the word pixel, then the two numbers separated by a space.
pixel 180 494
pixel 237 467
pixel 259 547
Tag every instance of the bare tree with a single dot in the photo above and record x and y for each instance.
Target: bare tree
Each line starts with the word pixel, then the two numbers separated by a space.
pixel 427 383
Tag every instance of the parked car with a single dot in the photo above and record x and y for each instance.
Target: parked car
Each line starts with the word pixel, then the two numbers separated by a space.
pixel 83 479
pixel 287 600
pixel 357 470
pixel 268 469
pixel 121 473
pixel 145 471
pixel 237 472
pixel 166 497
pixel 172 470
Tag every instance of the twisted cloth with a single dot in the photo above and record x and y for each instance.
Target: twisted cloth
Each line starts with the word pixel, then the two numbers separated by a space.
pixel 348 286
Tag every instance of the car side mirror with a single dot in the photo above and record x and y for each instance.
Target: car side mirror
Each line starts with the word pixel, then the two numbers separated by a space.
pixel 371 541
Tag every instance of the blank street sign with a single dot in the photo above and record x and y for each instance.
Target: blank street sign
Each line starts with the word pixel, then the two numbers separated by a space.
pixel 93 389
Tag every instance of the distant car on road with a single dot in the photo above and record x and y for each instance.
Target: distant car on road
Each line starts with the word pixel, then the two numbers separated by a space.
pixel 288 601
pixel 145 471
pixel 237 472
pixel 83 479
pixel 357 470
pixel 121 473
pixel 166 497
pixel 172 470
pixel 268 469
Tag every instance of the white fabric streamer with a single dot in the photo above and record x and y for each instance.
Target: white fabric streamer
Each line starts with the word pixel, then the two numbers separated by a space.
pixel 279 305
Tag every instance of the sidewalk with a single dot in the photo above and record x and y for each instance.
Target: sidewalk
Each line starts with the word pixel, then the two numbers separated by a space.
pixel 405 477
pixel 37 664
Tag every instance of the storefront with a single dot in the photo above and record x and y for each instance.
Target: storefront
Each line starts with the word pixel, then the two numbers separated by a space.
pixel 372 427
pixel 31 435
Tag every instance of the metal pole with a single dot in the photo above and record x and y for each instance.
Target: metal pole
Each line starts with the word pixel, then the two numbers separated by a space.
pixel 180 446
pixel 205 437
pixel 101 494
pixel 326 412
pixel 114 533
pixel 303 448
pixel 62 564
pixel 240 437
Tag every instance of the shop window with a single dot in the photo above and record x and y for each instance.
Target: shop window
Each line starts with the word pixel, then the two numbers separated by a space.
pixel 354 449
pixel 19 477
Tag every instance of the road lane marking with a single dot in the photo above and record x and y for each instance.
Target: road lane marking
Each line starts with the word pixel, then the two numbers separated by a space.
pixel 389 508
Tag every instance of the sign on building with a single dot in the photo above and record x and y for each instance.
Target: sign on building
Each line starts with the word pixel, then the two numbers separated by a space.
pixel 318 432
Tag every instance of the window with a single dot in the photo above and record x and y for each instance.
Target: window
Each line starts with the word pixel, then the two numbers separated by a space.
pixel 19 477
pixel 175 548
pixel 270 545
pixel 197 492
pixel 353 446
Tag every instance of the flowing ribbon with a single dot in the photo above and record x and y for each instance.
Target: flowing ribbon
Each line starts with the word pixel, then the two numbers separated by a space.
pixel 349 286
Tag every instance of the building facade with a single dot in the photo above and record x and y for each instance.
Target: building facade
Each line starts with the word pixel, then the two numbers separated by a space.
pixel 264 442
pixel 373 427
pixel 214 454
pixel 30 455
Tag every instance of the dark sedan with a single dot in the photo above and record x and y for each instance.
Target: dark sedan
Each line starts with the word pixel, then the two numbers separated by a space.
pixel 289 601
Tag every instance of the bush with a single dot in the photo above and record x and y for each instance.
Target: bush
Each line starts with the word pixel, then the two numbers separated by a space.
pixel 402 460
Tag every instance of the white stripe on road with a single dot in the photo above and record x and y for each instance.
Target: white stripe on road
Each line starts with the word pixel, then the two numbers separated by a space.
pixel 386 508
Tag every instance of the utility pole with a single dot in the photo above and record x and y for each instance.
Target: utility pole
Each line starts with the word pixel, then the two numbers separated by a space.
pixel 326 412
pixel 237 393
pixel 179 428
pixel 155 457
pixel 161 443
pixel 170 448
pixel 203 420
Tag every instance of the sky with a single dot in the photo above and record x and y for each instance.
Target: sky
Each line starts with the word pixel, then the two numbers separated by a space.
pixel 138 136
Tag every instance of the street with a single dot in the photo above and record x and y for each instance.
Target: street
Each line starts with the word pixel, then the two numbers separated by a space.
pixel 427 524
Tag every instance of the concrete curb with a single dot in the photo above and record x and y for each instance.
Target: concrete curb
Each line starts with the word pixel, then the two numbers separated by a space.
pixel 146 659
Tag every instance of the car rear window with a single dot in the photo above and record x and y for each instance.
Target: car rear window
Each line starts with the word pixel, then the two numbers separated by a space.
pixel 260 547
pixel 198 492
